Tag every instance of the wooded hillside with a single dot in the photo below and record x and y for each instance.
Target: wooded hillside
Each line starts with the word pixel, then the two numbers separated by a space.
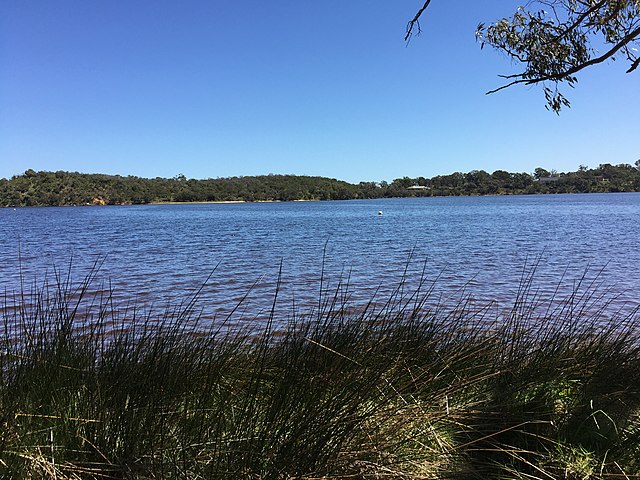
pixel 71 188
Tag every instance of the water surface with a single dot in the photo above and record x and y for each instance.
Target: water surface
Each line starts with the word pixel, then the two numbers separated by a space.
pixel 156 254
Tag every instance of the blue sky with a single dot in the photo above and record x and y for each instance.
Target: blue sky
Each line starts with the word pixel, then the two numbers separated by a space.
pixel 217 88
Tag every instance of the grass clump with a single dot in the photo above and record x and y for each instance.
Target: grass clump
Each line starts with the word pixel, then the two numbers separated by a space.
pixel 399 391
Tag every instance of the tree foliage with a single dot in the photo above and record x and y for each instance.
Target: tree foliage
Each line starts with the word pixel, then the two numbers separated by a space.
pixel 553 40
pixel 71 188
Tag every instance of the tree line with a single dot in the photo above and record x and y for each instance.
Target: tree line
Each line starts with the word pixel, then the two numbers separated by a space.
pixel 72 188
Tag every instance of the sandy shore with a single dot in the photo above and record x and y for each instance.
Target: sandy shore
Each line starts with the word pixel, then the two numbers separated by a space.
pixel 226 201
pixel 197 203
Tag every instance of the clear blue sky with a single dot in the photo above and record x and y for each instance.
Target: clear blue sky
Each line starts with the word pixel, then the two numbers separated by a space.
pixel 216 88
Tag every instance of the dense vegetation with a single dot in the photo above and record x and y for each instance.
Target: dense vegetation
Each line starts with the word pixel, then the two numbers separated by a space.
pixel 66 188
pixel 401 391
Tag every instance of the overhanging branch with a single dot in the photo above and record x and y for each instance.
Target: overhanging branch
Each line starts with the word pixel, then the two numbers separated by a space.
pixel 416 21
pixel 634 65
pixel 576 68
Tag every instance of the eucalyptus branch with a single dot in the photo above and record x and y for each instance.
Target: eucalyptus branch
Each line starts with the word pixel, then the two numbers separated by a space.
pixel 555 44
pixel 576 68
pixel 510 84
pixel 581 18
pixel 416 21
pixel 521 77
pixel 594 61
pixel 634 65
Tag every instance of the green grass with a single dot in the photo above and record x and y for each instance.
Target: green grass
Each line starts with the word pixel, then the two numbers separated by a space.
pixel 403 390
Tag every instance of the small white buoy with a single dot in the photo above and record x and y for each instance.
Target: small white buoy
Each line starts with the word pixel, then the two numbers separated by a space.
pixel 379 212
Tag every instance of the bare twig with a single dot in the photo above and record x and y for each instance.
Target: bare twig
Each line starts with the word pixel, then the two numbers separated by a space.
pixel 415 22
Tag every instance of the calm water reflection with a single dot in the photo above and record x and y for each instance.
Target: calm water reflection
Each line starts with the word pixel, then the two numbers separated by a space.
pixel 156 254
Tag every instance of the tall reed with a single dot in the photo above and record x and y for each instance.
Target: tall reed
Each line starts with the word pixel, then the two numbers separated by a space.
pixel 403 389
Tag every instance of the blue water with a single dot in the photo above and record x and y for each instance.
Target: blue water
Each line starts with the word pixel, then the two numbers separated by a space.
pixel 158 254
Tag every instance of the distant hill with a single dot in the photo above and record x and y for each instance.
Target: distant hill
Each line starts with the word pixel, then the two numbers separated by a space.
pixel 71 188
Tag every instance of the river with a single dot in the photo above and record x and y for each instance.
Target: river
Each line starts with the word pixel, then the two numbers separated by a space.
pixel 155 255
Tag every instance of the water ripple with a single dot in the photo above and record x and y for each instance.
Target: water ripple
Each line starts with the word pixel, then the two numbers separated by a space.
pixel 163 253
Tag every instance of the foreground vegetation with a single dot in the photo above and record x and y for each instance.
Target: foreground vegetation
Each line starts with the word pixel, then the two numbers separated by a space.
pixel 66 188
pixel 402 390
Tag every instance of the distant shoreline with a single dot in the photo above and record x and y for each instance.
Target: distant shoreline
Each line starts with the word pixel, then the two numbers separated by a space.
pixel 225 202
pixel 193 203
pixel 72 188
pixel 231 202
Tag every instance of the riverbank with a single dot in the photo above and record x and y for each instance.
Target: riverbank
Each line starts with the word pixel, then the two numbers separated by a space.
pixel 234 202
pixel 549 391
pixel 71 188
pixel 223 202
